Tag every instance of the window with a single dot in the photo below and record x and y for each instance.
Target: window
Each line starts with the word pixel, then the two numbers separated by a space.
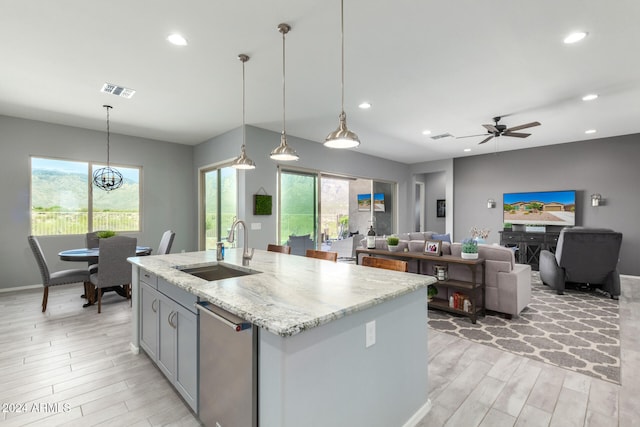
pixel 63 200
pixel 219 197
pixel 324 206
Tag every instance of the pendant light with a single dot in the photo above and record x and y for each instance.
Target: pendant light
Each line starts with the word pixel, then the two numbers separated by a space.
pixel 283 151
pixel 107 179
pixel 342 137
pixel 242 161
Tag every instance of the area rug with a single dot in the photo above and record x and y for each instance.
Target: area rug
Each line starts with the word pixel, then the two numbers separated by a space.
pixel 579 330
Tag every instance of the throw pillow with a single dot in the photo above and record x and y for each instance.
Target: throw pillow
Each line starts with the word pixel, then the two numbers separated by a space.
pixel 443 237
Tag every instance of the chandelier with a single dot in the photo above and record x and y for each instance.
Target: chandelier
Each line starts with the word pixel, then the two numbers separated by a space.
pixel 107 178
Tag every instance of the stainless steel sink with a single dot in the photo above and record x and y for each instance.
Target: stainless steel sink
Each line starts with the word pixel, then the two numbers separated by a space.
pixel 211 273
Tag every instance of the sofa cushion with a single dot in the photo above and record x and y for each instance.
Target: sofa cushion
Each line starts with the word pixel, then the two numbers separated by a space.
pixel 443 237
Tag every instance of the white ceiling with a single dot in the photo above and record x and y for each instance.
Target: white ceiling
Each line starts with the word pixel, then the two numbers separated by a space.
pixel 447 66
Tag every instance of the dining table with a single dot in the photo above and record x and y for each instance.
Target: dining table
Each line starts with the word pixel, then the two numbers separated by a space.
pixel 91 256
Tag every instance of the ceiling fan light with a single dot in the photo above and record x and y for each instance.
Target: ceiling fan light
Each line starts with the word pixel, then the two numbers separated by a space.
pixel 342 137
pixel 284 152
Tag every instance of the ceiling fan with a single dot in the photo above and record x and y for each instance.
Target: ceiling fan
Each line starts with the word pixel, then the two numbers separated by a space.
pixel 495 130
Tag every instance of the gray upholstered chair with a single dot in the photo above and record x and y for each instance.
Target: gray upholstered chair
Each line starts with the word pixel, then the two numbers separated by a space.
pixel 63 277
pixel 166 242
pixel 113 268
pixel 300 244
pixel 583 255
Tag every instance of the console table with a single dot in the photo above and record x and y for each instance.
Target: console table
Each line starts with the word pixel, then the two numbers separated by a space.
pixel 470 288
pixel 529 245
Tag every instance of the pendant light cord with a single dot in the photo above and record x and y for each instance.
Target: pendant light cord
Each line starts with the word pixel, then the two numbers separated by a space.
pixel 107 107
pixel 342 41
pixel 283 85
pixel 243 108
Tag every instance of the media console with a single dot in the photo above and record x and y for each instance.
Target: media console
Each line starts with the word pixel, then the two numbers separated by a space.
pixel 529 245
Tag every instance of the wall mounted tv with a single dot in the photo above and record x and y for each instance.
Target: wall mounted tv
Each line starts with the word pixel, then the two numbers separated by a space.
pixel 540 207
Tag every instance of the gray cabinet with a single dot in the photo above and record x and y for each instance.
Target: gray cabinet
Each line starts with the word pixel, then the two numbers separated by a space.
pixel 169 335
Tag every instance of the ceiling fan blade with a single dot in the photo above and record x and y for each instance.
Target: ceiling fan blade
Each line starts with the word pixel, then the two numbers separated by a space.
pixel 516 134
pixel 528 125
pixel 471 136
pixel 491 128
pixel 485 140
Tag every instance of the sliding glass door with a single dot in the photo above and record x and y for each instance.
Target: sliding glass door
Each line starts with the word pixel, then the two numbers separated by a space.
pixel 218 200
pixel 298 208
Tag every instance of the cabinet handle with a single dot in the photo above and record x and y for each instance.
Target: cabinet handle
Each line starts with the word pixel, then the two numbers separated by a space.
pixel 170 318
pixel 153 307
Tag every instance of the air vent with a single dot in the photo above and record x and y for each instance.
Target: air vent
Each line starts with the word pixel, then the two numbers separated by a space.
pixel 442 135
pixel 117 90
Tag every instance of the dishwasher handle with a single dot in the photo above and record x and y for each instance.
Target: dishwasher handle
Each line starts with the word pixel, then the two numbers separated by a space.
pixel 238 326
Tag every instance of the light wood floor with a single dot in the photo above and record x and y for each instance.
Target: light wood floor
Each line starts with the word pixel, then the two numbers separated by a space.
pixel 71 366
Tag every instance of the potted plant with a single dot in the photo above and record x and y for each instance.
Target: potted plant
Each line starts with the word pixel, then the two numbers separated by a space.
pixel 469 249
pixel 105 234
pixel 392 243
pixel 507 226
pixel 432 291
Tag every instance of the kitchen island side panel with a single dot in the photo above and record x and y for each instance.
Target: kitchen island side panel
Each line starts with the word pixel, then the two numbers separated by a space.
pixel 327 376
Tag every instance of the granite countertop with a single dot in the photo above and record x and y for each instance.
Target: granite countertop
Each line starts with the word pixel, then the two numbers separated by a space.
pixel 290 293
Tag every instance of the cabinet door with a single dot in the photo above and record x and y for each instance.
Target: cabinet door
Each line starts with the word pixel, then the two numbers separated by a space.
pixel 186 379
pixel 149 305
pixel 166 336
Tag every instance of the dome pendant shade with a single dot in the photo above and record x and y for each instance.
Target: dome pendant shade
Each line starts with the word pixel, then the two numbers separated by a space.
pixel 283 151
pixel 242 161
pixel 107 178
pixel 342 137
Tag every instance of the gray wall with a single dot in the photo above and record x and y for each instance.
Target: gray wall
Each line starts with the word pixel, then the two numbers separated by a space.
pixel 435 189
pixel 168 196
pixel 313 155
pixel 607 166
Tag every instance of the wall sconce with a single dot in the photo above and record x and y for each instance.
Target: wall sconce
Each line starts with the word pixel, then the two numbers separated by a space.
pixel 491 203
pixel 596 200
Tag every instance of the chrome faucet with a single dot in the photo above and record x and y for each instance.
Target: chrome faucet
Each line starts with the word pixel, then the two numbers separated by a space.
pixel 246 256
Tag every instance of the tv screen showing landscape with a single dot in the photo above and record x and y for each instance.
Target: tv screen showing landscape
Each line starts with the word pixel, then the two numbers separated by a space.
pixel 540 207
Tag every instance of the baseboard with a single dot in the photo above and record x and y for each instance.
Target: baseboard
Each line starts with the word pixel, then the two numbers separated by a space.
pixel 419 415
pixel 20 288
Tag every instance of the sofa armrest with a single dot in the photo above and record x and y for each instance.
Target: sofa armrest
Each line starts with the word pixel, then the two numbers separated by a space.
pixel 514 290
pixel 551 274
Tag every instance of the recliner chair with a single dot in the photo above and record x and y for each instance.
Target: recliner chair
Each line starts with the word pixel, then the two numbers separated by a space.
pixel 583 255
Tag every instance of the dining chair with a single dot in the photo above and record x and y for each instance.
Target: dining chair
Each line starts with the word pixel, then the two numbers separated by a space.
pixel 388 264
pixel 279 248
pixel 330 256
pixel 113 268
pixel 166 242
pixel 62 277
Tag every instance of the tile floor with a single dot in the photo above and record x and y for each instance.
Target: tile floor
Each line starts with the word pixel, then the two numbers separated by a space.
pixel 72 367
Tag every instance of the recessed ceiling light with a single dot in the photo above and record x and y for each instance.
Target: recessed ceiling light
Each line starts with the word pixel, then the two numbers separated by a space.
pixel 575 37
pixel 177 40
pixel 590 131
pixel 365 105
pixel 426 132
pixel 466 150
pixel 590 97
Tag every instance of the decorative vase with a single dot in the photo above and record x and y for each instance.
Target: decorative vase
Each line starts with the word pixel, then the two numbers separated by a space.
pixel 393 248
pixel 466 255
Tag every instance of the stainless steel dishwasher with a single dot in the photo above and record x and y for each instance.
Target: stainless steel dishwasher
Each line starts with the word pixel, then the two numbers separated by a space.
pixel 228 369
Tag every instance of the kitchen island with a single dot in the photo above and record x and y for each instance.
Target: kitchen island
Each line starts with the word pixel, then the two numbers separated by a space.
pixel 338 344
